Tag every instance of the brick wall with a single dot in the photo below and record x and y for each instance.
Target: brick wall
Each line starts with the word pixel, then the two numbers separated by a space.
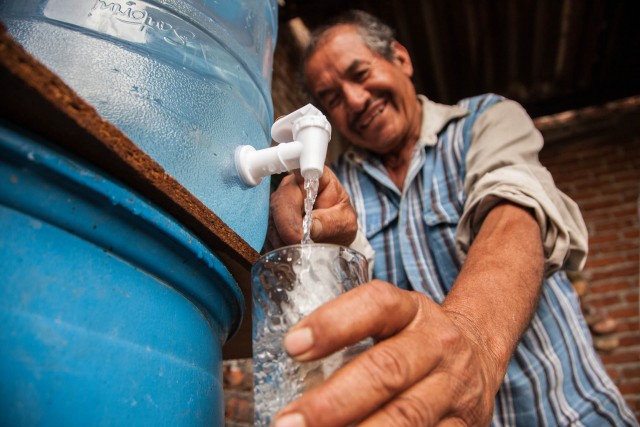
pixel 594 156
pixel 238 392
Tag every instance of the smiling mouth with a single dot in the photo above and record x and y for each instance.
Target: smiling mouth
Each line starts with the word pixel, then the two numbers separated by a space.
pixel 371 113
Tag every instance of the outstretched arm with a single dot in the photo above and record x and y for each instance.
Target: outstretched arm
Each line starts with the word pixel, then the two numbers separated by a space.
pixel 433 365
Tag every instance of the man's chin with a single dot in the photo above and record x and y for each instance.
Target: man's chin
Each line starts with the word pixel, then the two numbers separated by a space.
pixel 374 135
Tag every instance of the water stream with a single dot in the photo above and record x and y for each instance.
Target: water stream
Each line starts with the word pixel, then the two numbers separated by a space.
pixel 311 183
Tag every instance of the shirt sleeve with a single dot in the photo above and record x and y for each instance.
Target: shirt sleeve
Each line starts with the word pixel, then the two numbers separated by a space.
pixel 502 164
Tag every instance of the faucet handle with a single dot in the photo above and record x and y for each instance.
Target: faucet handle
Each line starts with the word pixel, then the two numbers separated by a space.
pixel 285 128
pixel 310 127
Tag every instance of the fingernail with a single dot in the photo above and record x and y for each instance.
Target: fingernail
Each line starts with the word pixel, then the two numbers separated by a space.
pixel 298 341
pixel 290 420
pixel 316 228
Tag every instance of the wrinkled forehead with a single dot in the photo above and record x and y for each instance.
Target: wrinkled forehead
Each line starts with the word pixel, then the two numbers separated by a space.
pixel 338 47
pixel 333 35
pixel 335 58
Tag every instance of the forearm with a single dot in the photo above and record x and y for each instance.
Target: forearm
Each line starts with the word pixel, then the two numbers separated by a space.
pixel 502 164
pixel 496 293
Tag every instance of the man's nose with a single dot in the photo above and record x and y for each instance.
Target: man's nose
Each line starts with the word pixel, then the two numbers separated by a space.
pixel 355 95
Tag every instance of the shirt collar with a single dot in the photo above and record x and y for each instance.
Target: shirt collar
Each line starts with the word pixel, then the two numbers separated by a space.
pixel 434 118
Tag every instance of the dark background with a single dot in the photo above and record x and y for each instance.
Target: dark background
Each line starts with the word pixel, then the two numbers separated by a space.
pixel 550 55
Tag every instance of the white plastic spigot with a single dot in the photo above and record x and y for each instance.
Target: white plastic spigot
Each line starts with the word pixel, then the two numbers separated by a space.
pixel 302 137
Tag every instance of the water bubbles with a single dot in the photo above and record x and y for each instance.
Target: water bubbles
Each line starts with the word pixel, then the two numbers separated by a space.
pixel 311 184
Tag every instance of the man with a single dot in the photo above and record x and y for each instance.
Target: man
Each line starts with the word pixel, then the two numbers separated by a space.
pixel 451 203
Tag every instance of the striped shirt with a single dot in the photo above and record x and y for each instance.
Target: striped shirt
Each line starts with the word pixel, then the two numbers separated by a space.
pixel 420 234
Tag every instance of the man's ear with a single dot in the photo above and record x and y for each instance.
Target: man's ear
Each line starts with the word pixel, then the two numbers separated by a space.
pixel 401 58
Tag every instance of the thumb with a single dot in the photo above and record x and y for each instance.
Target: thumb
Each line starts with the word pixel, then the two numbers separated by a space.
pixel 327 227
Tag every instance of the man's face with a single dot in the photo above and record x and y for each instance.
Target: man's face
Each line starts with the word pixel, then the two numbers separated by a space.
pixel 371 100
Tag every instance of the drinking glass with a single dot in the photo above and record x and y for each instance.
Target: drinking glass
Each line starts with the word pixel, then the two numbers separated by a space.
pixel 288 284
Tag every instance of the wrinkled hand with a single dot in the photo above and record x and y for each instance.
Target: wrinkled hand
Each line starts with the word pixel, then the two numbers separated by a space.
pixel 427 368
pixel 334 219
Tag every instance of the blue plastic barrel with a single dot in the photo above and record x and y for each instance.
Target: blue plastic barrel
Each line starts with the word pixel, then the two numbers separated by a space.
pixel 113 313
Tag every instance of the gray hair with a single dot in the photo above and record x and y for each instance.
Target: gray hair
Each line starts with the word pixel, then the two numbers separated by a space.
pixel 377 35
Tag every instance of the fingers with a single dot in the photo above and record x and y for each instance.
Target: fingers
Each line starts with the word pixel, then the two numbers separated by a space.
pixel 330 190
pixel 410 408
pixel 430 398
pixel 367 309
pixel 391 367
pixel 334 219
pixel 286 210
pixel 335 225
pixel 421 372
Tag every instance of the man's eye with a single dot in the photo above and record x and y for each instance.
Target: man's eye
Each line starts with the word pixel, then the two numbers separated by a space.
pixel 334 101
pixel 361 75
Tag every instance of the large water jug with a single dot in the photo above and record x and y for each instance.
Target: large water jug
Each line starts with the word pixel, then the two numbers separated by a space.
pixel 186 80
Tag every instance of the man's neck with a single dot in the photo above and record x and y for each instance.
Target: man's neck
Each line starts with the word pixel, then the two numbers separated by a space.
pixel 397 163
